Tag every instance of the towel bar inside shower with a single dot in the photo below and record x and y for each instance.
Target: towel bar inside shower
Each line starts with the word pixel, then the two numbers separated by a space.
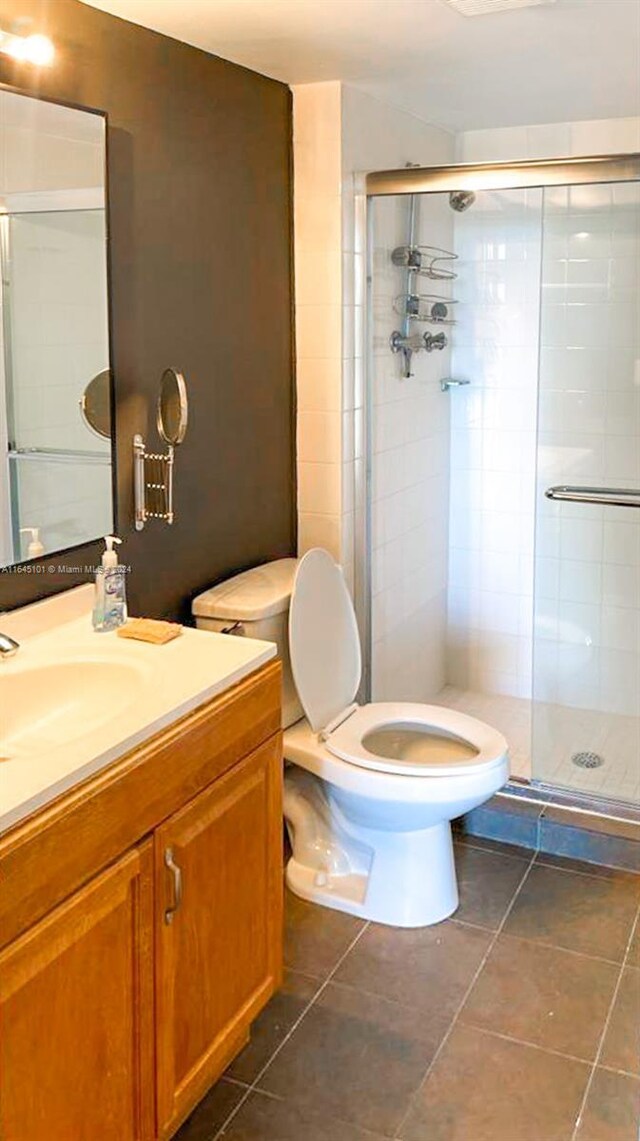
pixel 610 496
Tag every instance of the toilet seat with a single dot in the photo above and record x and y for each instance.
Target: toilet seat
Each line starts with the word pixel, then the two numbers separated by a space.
pixel 395 738
pixel 445 731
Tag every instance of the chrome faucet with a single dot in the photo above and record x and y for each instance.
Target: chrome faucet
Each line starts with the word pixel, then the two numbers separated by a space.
pixel 8 647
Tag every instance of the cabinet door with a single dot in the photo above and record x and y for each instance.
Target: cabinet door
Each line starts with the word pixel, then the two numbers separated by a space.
pixel 76 1010
pixel 218 926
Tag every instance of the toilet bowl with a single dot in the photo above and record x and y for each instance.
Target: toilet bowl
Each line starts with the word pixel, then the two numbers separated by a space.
pixel 375 839
pixel 369 790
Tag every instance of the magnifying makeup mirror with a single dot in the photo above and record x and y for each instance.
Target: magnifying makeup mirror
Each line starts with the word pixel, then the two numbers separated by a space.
pixel 172 411
pixel 95 404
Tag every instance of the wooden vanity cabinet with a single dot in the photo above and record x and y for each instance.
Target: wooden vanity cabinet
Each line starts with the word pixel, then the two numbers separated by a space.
pixel 76 1011
pixel 217 928
pixel 123 999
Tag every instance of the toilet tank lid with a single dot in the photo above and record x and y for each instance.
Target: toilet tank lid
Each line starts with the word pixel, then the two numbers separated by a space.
pixel 257 593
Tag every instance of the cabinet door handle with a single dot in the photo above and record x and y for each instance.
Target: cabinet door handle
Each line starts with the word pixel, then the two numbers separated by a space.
pixel 176 873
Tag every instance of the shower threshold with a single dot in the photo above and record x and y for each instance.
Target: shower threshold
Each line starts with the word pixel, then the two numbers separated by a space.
pixel 547 742
pixel 585 814
pixel 550 820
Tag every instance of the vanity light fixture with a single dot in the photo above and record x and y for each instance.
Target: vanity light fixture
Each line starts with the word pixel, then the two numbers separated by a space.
pixel 36 49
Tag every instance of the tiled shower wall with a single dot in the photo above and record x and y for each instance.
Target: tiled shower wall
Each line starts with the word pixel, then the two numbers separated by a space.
pixel 493 443
pixel 410 474
pixel 588 557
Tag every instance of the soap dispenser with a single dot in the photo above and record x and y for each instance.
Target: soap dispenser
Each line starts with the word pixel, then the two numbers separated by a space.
pixel 110 606
pixel 35 548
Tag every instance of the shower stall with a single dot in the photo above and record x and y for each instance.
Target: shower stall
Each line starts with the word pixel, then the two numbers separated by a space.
pixel 500 524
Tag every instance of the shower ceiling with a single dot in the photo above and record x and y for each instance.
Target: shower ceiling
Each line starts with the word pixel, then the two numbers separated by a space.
pixel 426 57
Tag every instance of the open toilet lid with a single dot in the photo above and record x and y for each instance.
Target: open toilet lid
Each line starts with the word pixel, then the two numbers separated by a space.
pixel 323 639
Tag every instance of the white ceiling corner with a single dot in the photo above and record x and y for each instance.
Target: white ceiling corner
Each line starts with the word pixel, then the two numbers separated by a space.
pixel 544 63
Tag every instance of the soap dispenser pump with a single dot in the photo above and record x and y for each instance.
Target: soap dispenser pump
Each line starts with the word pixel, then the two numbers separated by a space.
pixel 35 547
pixel 110 606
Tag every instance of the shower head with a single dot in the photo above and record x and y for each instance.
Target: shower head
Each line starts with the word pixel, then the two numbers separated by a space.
pixel 460 200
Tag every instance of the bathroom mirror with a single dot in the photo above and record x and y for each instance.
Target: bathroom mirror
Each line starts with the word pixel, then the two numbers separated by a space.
pixel 172 409
pixel 55 379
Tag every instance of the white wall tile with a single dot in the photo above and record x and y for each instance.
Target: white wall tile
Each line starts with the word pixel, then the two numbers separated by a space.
pixel 320 488
pixel 318 331
pixel 320 437
pixel 318 270
pixel 319 531
pixel 319 384
pixel 556 140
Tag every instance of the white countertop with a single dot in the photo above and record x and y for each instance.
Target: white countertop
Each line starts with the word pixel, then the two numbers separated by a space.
pixel 155 686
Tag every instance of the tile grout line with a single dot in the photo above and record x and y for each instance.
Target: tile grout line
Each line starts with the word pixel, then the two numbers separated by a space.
pixel 530 1045
pixel 459 842
pixel 312 1001
pixel 605 1028
pixel 467 992
pixel 564 950
pixel 545 859
pixel 541 943
pixel 615 1069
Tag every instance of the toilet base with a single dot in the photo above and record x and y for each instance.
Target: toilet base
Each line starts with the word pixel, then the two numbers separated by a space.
pixel 402 879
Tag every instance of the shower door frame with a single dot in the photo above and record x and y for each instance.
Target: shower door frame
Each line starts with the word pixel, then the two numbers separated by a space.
pixel 528 175
pixel 525 175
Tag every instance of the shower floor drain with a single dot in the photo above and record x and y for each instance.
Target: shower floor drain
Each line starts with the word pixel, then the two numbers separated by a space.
pixel 587 760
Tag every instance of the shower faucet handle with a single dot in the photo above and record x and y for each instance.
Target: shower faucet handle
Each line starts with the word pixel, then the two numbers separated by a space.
pixel 451 382
pixel 399 343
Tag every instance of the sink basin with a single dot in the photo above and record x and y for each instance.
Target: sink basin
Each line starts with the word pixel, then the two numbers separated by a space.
pixel 45 707
pixel 72 701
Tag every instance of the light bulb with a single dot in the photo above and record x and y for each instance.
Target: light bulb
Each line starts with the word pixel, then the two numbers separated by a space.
pixel 36 49
pixel 39 50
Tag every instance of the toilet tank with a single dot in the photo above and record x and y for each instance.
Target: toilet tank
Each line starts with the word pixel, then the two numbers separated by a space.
pixel 255 604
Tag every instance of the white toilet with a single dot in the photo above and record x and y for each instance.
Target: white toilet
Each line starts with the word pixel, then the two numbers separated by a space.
pixel 372 788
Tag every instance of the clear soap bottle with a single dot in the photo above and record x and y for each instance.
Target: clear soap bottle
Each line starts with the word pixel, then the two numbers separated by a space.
pixel 110 605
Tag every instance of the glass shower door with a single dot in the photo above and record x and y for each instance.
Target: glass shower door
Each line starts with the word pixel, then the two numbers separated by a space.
pixel 586 661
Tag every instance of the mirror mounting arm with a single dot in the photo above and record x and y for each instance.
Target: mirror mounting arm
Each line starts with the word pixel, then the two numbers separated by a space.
pixel 152 483
pixel 153 471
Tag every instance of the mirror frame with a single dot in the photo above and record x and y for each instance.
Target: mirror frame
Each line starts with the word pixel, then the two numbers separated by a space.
pixel 181 387
pixel 106 376
pixel 13 90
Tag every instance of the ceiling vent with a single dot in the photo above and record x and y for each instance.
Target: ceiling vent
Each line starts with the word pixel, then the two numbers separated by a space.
pixel 488 7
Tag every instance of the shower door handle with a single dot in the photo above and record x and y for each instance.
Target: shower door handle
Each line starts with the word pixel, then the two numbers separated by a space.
pixel 611 496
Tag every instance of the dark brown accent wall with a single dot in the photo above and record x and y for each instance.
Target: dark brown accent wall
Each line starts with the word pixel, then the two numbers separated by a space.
pixel 200 215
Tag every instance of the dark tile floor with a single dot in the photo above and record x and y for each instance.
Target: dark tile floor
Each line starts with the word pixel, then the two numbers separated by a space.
pixel 517 1020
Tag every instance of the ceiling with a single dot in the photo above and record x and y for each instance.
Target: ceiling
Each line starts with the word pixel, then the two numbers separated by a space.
pixel 568 60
